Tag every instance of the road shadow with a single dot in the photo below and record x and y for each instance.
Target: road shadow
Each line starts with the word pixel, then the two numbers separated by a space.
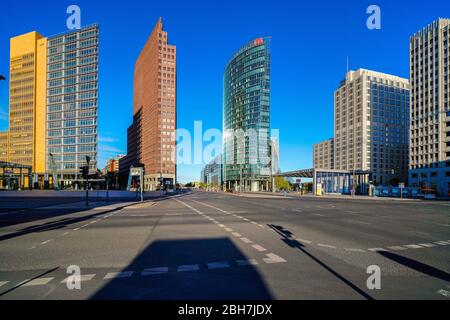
pixel 228 280
pixel 416 265
pixel 46 211
pixel 287 237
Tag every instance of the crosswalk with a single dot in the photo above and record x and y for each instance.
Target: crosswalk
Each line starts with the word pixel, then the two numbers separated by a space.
pixel 269 259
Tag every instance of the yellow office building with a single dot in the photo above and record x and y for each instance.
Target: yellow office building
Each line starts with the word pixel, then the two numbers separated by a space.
pixel 27 104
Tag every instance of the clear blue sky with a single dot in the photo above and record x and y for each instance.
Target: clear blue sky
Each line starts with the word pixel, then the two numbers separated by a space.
pixel 310 43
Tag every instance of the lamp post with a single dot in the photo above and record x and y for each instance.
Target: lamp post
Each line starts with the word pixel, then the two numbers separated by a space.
pixel 88 160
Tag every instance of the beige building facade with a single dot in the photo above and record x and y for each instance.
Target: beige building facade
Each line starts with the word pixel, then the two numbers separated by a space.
pixel 324 154
pixel 430 109
pixel 371 118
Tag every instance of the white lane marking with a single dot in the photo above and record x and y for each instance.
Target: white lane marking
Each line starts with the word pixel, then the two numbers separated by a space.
pixel 318 214
pixel 229 229
pixel 65 234
pixel 76 229
pixel 260 225
pixel 413 246
pixel 253 222
pixel 248 262
pixel 259 248
pixel 297 210
pixel 442 243
pixel 443 292
pixel 154 271
pixel 427 245
pixel 85 225
pixel 2 283
pixel 377 249
pixel 304 240
pixel 326 246
pixel 38 282
pixel 92 222
pixel 33 247
pixel 116 275
pixel 218 265
pixel 273 258
pixel 83 277
pixel 190 267
pixel 354 250
pixel 47 241
pixel 397 248
pixel 246 240
pixel 245 219
pixel 236 234
pixel 222 225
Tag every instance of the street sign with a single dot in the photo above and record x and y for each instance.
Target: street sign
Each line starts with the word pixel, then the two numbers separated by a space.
pixel 401 185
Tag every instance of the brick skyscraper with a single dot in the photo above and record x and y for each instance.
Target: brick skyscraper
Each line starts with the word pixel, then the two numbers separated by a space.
pixel 155 103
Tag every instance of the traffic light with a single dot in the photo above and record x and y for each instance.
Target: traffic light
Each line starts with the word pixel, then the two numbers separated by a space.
pixel 84 171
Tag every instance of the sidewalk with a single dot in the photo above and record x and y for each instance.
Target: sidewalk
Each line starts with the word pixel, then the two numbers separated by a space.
pixel 294 195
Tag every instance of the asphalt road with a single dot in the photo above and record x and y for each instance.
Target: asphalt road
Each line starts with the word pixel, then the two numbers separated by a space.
pixel 221 246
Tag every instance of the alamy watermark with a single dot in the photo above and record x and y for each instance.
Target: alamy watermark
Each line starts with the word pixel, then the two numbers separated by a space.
pixel 73 22
pixel 374 20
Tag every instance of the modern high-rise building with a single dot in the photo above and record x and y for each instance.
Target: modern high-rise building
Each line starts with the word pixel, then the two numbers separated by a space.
pixel 4 146
pixel 211 174
pixel 27 102
pixel 371 119
pixel 151 137
pixel 72 102
pixel 274 155
pixel 53 103
pixel 246 118
pixel 430 108
pixel 324 154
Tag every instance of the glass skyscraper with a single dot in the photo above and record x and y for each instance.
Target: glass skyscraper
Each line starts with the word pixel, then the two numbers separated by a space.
pixel 72 101
pixel 246 118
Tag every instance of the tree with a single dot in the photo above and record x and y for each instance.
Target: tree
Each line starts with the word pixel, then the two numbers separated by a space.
pixel 282 184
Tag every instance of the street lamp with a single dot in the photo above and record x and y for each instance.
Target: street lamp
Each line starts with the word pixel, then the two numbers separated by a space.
pixel 88 160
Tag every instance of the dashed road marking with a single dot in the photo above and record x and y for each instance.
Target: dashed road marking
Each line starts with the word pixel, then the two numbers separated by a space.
pixel 228 229
pixel 259 248
pixel 83 277
pixel 304 240
pixel 38 282
pixel 397 248
pixel 377 249
pixel 190 267
pixel 46 241
pixel 248 262
pixel 442 243
pixel 116 275
pixel 427 245
pixel 444 293
pixel 2 283
pixel 413 246
pixel 218 265
pixel 245 240
pixel 76 229
pixel 326 246
pixel 238 235
pixel 154 271
pixel 273 258
pixel 354 250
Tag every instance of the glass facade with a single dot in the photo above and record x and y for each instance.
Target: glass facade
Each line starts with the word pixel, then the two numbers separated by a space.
pixel 72 100
pixel 246 117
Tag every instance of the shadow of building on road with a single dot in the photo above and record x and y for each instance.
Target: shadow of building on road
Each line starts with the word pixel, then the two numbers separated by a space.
pixel 191 269
pixel 416 265
pixel 287 237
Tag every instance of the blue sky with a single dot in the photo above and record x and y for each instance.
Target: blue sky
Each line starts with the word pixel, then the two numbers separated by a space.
pixel 310 43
